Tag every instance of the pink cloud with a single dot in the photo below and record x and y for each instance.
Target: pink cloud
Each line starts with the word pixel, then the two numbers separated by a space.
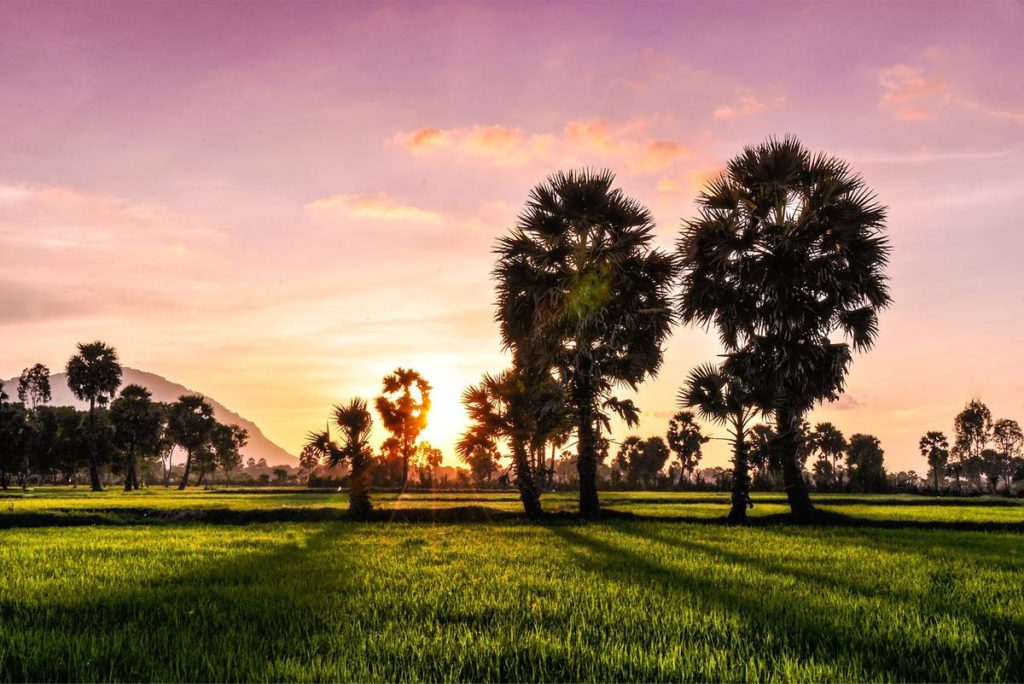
pixel 380 206
pixel 911 94
pixel 748 105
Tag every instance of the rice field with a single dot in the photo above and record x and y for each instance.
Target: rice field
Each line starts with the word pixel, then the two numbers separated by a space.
pixel 906 588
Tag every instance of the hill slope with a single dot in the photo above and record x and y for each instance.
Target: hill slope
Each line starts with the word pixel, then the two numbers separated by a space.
pixel 165 390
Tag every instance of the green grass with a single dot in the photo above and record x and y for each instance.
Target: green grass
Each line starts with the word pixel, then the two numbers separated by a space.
pixel 507 600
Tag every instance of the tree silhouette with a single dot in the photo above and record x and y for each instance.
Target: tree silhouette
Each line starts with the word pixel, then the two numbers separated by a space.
pixel 190 425
pixel 725 399
pixel 94 375
pixel 972 429
pixel 641 460
pixel 33 391
pixel 787 250
pixel 685 440
pixel 403 408
pixel 354 421
pixel 505 407
pixel 866 462
pixel 830 445
pixel 1008 439
pixel 582 292
pixel 935 448
pixel 137 425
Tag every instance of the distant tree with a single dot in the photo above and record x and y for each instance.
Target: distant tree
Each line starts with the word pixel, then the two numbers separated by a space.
pixel 354 421
pixel 641 460
pixel 583 292
pixel 759 454
pixel 94 375
pixel 685 440
pixel 33 391
pixel 223 451
pixel 973 430
pixel 309 460
pixel 14 436
pixel 137 425
pixel 501 408
pixel 388 471
pixel 788 250
pixel 403 408
pixel 866 464
pixel 428 460
pixel 482 459
pixel 725 399
pixel 1009 442
pixel 829 443
pixel 935 448
pixel 191 425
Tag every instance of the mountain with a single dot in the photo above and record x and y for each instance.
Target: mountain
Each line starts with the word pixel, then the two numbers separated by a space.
pixel 165 390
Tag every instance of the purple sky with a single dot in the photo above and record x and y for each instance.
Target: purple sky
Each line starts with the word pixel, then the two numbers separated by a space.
pixel 278 203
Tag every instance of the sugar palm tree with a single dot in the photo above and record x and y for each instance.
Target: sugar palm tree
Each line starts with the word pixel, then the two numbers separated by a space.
pixel 94 375
pixel 787 251
pixel 584 293
pixel 508 407
pixel 354 421
pixel 935 448
pixel 723 398
pixel 403 407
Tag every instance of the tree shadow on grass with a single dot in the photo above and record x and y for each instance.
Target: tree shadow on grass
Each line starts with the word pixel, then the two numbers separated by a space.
pixel 798 622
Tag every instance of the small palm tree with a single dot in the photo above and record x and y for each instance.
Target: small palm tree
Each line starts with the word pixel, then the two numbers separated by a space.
pixel 506 407
pixel 94 375
pixel 584 293
pixel 935 448
pixel 354 421
pixel 403 408
pixel 788 250
pixel 725 399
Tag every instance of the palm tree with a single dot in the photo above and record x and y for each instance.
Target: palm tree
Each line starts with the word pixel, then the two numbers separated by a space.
pixel 403 408
pixel 354 420
pixel 935 448
pixel 33 391
pixel 788 249
pixel 583 293
pixel 508 407
pixel 137 424
pixel 191 425
pixel 725 399
pixel 94 375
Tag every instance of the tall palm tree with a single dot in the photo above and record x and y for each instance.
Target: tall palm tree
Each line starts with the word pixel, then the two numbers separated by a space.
pixel 94 375
pixel 354 421
pixel 191 425
pixel 509 407
pixel 935 448
pixel 137 423
pixel 787 251
pixel 584 293
pixel 403 407
pixel 725 399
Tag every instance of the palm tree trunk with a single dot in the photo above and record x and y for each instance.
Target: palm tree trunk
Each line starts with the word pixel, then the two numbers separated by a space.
pixel 786 445
pixel 405 463
pixel 740 483
pixel 94 468
pixel 586 462
pixel 528 493
pixel 188 470
pixel 359 505
pixel 128 462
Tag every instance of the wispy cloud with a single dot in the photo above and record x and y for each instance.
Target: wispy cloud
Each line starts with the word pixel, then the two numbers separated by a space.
pixel 632 143
pixel 911 93
pixel 380 206
pixel 747 104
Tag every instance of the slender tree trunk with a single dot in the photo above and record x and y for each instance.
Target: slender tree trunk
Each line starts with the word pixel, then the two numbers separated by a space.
pixel 188 470
pixel 359 505
pixel 528 492
pixel 586 442
pixel 94 467
pixel 405 463
pixel 128 461
pixel 202 478
pixel 786 446
pixel 551 470
pixel 740 483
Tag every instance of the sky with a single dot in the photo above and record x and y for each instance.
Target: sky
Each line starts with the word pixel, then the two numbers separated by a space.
pixel 278 203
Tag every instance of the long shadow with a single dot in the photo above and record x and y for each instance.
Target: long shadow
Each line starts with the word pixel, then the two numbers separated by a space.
pixel 801 623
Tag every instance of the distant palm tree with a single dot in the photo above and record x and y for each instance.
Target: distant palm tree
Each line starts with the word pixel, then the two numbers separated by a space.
pixel 137 424
pixel 403 408
pixel 508 407
pixel 355 421
pixel 33 391
pixel 191 425
pixel 723 398
pixel 584 293
pixel 787 250
pixel 94 375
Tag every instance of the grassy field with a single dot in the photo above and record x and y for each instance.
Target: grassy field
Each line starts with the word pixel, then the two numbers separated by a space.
pixel 905 588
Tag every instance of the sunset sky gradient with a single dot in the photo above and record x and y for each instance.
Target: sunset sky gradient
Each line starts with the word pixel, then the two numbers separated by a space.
pixel 276 204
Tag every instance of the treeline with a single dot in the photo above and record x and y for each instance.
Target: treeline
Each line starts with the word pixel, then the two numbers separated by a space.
pixel 124 432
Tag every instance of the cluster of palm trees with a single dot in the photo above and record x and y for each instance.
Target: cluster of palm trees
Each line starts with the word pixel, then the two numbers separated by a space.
pixel 127 426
